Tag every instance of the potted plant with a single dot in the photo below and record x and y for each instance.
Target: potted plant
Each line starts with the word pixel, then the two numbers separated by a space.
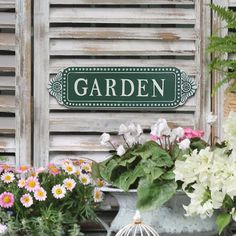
pixel 47 201
pixel 141 174
pixel 221 46
pixel 208 177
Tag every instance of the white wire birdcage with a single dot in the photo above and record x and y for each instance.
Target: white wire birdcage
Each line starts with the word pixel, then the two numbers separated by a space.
pixel 137 228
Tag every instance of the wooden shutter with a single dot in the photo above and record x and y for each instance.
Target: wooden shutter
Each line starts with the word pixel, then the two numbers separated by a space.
pixel 113 33
pixel 15 81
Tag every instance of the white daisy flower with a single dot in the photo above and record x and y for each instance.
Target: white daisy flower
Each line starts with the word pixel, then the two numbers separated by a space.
pixel 26 200
pixel 85 179
pixel 7 177
pixel 58 191
pixel 69 184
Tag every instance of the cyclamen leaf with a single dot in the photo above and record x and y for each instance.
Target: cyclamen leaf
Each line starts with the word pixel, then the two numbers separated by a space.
pixel 222 221
pixel 168 175
pixel 125 180
pixel 154 195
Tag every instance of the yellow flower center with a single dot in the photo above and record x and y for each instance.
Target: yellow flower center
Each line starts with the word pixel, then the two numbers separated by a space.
pixel 84 180
pixel 58 191
pixel 68 184
pixel 23 168
pixel 40 193
pixel 8 178
pixel 32 184
pixel 69 168
pixel 6 199
pixel 26 199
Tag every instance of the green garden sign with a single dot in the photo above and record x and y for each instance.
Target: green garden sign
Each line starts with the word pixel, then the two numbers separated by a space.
pixel 122 87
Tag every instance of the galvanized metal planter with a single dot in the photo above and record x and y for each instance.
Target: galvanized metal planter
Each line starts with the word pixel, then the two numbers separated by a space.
pixel 168 220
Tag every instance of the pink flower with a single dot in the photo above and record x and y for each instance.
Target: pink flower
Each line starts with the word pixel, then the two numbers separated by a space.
pixel 153 137
pixel 26 200
pixel 40 194
pixel 23 169
pixel 6 200
pixel 53 170
pixel 190 133
pixel 31 184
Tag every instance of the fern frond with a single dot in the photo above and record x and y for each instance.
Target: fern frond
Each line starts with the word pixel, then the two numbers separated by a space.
pixel 225 14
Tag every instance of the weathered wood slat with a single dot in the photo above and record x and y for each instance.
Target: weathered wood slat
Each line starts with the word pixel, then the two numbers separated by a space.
pixel 190 105
pixel 7 103
pixel 23 83
pixel 121 47
pixel 7 41
pixel 167 34
pixel 7 125
pixel 7 4
pixel 96 156
pixel 7 20
pixel 110 122
pixel 189 66
pixel 122 2
pixel 232 3
pixel 7 144
pixel 7 82
pixel 7 63
pixel 123 15
pixel 41 96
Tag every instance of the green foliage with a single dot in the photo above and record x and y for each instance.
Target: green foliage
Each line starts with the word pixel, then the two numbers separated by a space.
pixel 147 168
pixel 222 221
pixel 222 45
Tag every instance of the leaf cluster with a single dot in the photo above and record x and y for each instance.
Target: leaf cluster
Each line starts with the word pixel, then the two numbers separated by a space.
pixel 222 45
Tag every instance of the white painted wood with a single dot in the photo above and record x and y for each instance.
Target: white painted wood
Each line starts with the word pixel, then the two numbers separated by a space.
pixel 123 15
pixel 41 95
pixel 7 82
pixel 7 125
pixel 189 66
pixel 203 94
pixel 232 3
pixel 7 4
pixel 121 47
pixel 123 2
pixel 7 103
pixel 167 34
pixel 23 82
pixel 7 20
pixel 110 122
pixel 7 144
pixel 7 41
pixel 7 63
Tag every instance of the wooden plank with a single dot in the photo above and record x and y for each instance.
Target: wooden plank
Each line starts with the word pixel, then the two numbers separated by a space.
pixel 189 66
pixel 23 82
pixel 7 4
pixel 7 41
pixel 56 157
pixel 7 20
pixel 7 82
pixel 190 105
pixel 232 3
pixel 7 144
pixel 167 34
pixel 41 95
pixel 7 63
pixel 7 125
pixel 121 48
pixel 122 2
pixel 123 15
pixel 110 121
pixel 7 103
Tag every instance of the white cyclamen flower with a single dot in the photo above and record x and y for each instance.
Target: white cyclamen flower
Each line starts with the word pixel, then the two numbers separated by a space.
pixel 185 144
pixel 160 128
pixel 3 229
pixel 105 138
pixel 123 129
pixel 178 132
pixel 130 139
pixel 211 119
pixel 120 150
